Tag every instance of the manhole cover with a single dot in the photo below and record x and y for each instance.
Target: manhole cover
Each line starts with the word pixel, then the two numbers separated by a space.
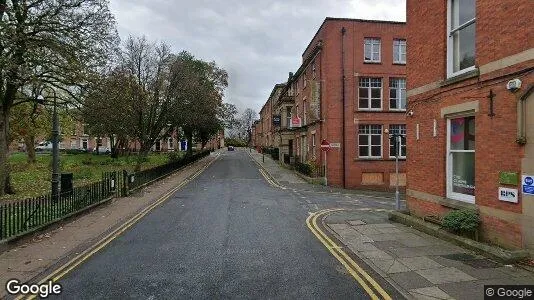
pixel 459 256
pixel 481 263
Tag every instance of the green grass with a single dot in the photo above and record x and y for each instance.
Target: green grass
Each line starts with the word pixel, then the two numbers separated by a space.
pixel 30 180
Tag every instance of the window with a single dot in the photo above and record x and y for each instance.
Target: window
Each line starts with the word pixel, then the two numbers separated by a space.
pixel 397 129
pixel 399 51
pixel 370 93
pixel 397 94
pixel 461 159
pixel 288 116
pixel 370 141
pixel 461 36
pixel 304 80
pixel 313 70
pixel 304 114
pixel 371 50
pixel 313 145
pixel 170 143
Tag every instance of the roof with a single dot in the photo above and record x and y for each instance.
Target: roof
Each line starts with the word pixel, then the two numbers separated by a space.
pixel 349 20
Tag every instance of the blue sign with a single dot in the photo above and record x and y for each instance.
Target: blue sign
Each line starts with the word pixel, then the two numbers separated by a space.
pixel 528 185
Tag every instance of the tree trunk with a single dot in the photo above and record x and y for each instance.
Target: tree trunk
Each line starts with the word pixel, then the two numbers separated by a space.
pixel 5 182
pixel 141 157
pixel 29 142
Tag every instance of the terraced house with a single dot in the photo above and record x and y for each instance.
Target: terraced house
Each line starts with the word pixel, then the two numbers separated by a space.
pixel 350 87
pixel 471 133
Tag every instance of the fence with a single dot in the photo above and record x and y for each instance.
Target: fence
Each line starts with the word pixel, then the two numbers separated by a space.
pixel 21 217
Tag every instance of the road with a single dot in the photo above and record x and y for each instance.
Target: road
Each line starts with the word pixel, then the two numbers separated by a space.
pixel 227 234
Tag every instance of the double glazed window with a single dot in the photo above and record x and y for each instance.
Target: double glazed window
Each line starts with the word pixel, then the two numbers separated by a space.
pixel 397 129
pixel 370 93
pixel 371 50
pixel 370 141
pixel 399 51
pixel 461 36
pixel 397 94
pixel 461 159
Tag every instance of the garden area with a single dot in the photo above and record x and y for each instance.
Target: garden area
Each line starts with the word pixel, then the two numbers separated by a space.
pixel 30 180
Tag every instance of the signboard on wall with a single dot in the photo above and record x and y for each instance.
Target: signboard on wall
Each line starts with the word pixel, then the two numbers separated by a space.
pixel 527 184
pixel 508 195
pixel 296 122
pixel 277 119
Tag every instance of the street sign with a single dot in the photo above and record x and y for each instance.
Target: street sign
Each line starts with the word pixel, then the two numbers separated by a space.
pixel 335 145
pixel 508 195
pixel 527 183
pixel 325 145
pixel 277 119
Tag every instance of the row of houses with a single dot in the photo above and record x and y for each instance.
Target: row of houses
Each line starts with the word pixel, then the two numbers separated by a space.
pixel 457 79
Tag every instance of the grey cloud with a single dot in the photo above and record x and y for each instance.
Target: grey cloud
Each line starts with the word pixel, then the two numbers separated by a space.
pixel 257 42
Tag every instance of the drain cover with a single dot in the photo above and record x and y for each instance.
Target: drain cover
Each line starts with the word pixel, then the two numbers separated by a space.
pixel 459 256
pixel 473 261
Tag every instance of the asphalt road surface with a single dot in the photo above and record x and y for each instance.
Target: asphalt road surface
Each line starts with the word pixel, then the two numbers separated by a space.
pixel 227 234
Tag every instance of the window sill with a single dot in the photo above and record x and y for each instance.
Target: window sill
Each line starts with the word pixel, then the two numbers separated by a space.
pixel 368 159
pixel 460 77
pixel 369 110
pixel 399 63
pixel 372 62
pixel 456 204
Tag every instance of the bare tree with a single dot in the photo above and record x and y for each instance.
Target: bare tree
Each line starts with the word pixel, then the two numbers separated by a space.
pixel 61 43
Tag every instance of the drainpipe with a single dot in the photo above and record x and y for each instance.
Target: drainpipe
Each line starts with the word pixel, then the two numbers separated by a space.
pixel 343 30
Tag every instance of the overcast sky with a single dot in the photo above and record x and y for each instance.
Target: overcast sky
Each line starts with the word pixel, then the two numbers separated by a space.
pixel 257 41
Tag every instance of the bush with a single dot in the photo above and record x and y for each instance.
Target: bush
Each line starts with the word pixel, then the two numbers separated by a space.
pixel 462 221
pixel 275 154
pixel 304 168
pixel 174 156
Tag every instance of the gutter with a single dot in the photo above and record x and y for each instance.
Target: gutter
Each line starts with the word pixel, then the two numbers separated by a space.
pixel 343 30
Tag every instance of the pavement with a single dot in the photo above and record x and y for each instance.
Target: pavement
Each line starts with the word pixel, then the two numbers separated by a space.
pixel 418 265
pixel 30 257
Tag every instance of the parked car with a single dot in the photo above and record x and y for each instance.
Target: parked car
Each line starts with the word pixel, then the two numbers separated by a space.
pixel 46 146
pixel 230 148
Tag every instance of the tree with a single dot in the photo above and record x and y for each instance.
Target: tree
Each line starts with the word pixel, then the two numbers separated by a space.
pixel 60 43
pixel 197 88
pixel 243 125
pixel 227 115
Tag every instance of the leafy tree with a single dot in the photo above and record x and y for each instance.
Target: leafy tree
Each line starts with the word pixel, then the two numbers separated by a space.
pixel 60 43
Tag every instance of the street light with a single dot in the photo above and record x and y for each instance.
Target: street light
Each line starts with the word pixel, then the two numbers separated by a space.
pixel 396 139
pixel 55 144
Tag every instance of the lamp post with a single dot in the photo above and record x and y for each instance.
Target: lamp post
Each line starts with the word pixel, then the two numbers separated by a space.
pixel 396 139
pixel 55 144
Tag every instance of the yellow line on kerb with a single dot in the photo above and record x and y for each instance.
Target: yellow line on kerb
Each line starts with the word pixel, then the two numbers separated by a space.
pixel 76 261
pixel 352 267
pixel 269 180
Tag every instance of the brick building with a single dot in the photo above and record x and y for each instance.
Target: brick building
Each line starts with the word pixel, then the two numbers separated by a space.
pixel 470 138
pixel 349 88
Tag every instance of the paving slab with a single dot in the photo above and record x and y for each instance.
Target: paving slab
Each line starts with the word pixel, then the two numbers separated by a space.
pixel 356 222
pixel 419 263
pixel 361 246
pixel 389 265
pixel 430 293
pixel 444 275
pixel 410 280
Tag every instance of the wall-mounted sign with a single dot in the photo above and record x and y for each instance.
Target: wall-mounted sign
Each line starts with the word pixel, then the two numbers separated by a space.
pixel 277 119
pixel 508 195
pixel 335 145
pixel 508 178
pixel 527 183
pixel 296 122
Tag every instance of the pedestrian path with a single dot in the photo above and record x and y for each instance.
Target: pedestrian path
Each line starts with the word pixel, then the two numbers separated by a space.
pixel 417 264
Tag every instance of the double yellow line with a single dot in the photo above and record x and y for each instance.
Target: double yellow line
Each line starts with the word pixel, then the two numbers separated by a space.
pixel 76 261
pixel 373 289
pixel 270 180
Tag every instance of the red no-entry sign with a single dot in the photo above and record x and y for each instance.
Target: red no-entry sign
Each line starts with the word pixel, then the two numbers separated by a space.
pixel 325 145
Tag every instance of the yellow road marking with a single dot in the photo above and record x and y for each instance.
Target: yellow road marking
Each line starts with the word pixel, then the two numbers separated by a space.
pixel 352 267
pixel 76 261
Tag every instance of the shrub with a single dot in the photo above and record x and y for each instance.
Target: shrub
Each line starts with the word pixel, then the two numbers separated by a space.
pixel 275 154
pixel 304 168
pixel 174 156
pixel 462 220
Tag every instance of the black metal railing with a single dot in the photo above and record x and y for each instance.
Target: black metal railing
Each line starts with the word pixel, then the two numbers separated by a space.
pixel 23 216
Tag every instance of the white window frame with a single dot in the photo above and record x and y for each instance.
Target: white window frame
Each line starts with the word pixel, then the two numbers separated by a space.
pixel 397 94
pixel 372 43
pixel 369 88
pixel 304 110
pixel 169 140
pixel 392 155
pixel 450 193
pixel 313 144
pixel 450 43
pixel 401 44
pixel 369 145
pixel 313 70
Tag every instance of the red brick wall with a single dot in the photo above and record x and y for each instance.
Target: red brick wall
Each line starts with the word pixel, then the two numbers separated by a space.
pixel 502 30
